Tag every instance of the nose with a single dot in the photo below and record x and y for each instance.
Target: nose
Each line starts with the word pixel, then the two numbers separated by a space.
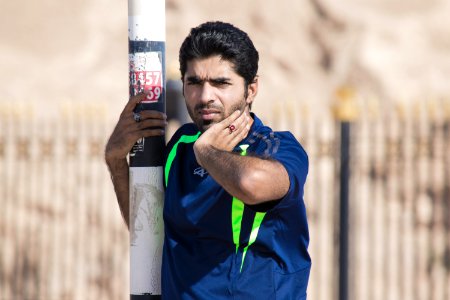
pixel 206 93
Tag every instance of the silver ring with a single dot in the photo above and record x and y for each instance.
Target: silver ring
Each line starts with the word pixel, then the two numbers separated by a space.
pixel 137 117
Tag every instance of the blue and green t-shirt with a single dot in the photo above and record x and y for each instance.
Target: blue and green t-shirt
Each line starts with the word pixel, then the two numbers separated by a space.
pixel 217 247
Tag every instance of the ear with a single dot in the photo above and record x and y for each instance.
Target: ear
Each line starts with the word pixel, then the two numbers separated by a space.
pixel 252 90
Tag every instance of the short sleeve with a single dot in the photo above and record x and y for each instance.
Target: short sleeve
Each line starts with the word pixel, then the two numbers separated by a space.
pixel 288 151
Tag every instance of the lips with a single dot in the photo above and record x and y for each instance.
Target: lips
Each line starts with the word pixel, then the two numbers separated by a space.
pixel 209 114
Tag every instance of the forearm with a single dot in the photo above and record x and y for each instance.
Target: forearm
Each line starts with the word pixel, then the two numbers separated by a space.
pixel 127 131
pixel 119 171
pixel 251 179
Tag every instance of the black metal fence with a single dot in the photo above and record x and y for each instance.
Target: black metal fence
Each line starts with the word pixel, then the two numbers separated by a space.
pixel 62 236
pixel 399 198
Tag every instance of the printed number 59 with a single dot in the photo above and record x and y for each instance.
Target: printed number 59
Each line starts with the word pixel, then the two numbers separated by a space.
pixel 153 93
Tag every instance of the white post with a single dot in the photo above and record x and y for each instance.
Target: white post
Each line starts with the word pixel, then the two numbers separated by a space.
pixel 146 36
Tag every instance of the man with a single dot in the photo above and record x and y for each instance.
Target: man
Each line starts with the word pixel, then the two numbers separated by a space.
pixel 234 216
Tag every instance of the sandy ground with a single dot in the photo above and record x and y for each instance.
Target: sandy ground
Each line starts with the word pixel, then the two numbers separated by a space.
pixel 392 50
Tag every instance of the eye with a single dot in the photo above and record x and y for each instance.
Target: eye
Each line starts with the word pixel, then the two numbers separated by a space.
pixel 220 83
pixel 193 81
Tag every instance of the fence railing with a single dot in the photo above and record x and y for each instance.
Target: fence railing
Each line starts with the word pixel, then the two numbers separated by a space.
pixel 399 204
pixel 62 236
pixel 61 231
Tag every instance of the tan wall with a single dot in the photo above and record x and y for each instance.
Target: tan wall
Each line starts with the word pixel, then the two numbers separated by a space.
pixel 53 51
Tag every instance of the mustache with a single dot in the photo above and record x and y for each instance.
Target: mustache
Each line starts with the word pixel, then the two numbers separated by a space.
pixel 208 106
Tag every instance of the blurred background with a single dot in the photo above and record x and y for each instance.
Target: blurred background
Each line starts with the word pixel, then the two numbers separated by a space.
pixel 367 78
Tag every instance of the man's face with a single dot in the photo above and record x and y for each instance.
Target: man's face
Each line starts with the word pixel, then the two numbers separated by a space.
pixel 213 91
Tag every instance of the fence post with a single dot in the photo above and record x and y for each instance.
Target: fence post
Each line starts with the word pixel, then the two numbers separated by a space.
pixel 345 112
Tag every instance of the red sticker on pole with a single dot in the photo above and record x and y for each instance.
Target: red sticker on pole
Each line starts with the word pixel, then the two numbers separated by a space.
pixel 146 75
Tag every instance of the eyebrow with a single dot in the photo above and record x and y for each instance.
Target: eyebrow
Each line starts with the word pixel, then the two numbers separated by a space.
pixel 193 79
pixel 197 79
pixel 220 80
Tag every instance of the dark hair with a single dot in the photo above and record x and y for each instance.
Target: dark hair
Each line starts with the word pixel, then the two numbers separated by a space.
pixel 226 40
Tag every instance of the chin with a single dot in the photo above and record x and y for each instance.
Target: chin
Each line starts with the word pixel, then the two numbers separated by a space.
pixel 204 125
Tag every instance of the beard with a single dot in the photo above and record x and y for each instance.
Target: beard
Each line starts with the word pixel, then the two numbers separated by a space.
pixel 202 124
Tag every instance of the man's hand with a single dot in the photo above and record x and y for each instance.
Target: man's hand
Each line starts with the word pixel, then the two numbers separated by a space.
pixel 251 179
pixel 128 131
pixel 124 136
pixel 223 136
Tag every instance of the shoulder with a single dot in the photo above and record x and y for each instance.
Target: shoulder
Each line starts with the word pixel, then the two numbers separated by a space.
pixel 269 143
pixel 281 146
pixel 288 142
pixel 186 130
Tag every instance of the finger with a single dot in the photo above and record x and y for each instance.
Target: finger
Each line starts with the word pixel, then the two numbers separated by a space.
pixel 238 125
pixel 241 121
pixel 231 118
pixel 148 133
pixel 134 100
pixel 242 127
pixel 238 136
pixel 128 119
pixel 153 132
pixel 151 123
pixel 240 132
pixel 152 114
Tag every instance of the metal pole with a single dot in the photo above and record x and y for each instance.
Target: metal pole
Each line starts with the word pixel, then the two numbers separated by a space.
pixel 345 111
pixel 146 37
pixel 344 211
